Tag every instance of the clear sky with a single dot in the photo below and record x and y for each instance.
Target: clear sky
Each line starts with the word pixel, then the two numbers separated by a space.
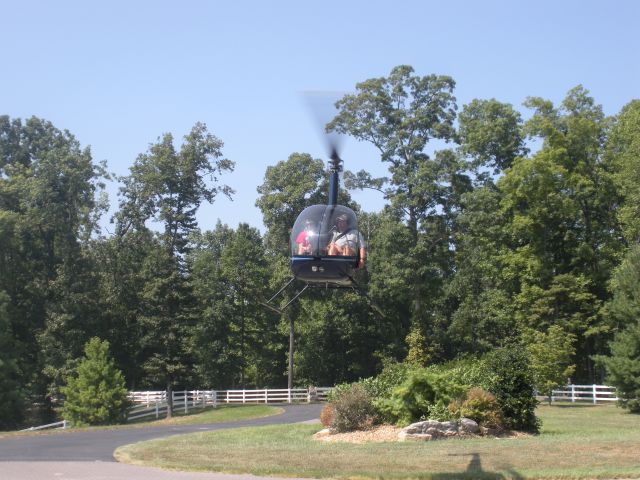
pixel 118 74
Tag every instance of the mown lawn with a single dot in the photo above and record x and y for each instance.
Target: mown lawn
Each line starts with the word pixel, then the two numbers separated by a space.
pixel 575 442
pixel 222 413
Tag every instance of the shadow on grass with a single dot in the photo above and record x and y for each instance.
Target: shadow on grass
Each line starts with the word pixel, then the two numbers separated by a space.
pixel 474 471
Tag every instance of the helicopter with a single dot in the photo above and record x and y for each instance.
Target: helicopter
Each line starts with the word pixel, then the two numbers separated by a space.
pixel 326 246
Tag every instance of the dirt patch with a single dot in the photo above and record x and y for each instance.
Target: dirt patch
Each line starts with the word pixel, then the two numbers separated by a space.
pixel 389 433
pixel 380 433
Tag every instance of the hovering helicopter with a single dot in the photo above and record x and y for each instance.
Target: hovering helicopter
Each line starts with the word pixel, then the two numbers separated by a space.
pixel 326 245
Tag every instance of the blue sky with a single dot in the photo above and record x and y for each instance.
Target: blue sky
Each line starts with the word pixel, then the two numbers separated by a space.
pixel 119 74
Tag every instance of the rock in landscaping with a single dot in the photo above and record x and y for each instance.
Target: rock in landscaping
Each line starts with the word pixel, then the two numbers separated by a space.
pixel 433 429
pixel 469 426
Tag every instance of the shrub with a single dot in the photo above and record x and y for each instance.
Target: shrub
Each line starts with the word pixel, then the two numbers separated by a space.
pixel 97 395
pixel 410 401
pixel 482 407
pixel 353 409
pixel 327 415
pixel 439 411
pixel 390 378
pixel 511 381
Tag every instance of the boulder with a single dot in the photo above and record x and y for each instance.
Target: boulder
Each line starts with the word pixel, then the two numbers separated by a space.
pixel 433 430
pixel 469 426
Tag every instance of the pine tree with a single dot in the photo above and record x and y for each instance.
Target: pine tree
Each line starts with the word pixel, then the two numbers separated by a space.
pixel 623 367
pixel 97 394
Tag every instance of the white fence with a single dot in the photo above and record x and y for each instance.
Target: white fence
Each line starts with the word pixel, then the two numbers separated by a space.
pixel 585 393
pixel 154 403
pixel 62 424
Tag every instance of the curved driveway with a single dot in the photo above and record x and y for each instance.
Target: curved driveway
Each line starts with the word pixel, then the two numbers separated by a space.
pixel 99 445
pixel 85 454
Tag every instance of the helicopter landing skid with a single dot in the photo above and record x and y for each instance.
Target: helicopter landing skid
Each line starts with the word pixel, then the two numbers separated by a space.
pixel 324 285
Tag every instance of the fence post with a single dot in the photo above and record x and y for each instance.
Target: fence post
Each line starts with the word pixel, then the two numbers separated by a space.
pixel 186 402
pixel 595 394
pixel 288 395
pixel 573 393
pixel 64 424
pixel 157 410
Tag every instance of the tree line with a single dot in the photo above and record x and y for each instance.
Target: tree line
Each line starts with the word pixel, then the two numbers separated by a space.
pixel 495 230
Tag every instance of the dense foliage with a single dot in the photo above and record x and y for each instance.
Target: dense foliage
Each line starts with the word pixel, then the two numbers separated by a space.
pixel 496 231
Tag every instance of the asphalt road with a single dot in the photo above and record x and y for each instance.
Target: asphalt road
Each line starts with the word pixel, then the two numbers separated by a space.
pixel 99 445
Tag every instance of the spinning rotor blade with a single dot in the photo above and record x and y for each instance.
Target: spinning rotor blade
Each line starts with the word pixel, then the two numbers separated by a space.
pixel 322 106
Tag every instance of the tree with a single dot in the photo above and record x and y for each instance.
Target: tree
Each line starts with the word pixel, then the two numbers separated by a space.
pixel 623 311
pixel 400 115
pixel 480 292
pixel 96 394
pixel 11 394
pixel 48 210
pixel 623 308
pixel 119 264
pixel 237 342
pixel 623 154
pixel 562 237
pixel 491 134
pixel 168 186
pixel 288 188
pixel 550 358
pixel 623 366
pixel 216 355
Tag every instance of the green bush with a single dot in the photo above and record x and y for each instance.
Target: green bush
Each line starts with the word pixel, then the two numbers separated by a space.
pixel 390 378
pixel 97 394
pixel 425 393
pixel 352 409
pixel 510 379
pixel 410 401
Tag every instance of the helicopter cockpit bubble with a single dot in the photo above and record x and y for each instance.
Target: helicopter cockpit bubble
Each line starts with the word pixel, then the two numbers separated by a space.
pixel 325 244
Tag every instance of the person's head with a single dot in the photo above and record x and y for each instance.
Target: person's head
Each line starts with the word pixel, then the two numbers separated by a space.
pixel 342 221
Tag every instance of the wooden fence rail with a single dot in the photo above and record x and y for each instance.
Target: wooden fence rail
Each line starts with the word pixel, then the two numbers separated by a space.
pixel 585 393
pixel 154 403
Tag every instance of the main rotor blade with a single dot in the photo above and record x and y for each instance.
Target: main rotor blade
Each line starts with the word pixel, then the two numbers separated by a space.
pixel 322 107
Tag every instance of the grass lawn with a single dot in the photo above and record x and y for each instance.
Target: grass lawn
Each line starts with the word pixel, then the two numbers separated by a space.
pixel 576 441
pixel 222 413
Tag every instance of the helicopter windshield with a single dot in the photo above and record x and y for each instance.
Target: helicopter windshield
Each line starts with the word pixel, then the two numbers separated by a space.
pixel 325 230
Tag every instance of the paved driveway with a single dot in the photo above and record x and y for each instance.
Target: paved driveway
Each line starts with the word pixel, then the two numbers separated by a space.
pixel 89 454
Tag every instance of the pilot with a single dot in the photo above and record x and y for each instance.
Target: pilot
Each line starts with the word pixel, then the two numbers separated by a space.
pixel 345 240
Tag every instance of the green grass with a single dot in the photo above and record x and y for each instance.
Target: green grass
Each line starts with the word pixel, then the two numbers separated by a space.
pixel 575 442
pixel 222 413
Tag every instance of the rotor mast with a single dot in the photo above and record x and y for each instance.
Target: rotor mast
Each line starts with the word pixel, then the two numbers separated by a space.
pixel 335 167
